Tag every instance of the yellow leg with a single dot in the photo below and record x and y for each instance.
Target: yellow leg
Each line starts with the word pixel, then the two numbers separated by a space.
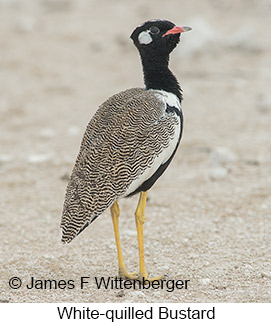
pixel 140 219
pixel 115 212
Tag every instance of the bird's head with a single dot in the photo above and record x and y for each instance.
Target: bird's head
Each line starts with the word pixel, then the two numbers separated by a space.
pixel 161 36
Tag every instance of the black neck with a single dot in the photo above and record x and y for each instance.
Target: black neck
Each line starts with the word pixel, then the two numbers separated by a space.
pixel 158 76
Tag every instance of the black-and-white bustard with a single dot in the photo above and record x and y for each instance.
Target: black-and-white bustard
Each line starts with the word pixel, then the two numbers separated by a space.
pixel 128 143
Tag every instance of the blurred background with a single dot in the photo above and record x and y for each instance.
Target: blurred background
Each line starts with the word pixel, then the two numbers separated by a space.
pixel 59 60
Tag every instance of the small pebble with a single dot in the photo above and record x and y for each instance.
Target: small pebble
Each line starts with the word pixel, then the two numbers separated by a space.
pixel 74 131
pixel 217 173
pixel 26 24
pixel 222 156
pixel 138 293
pixel 38 158
pixel 205 281
pixel 265 275
pixel 46 133
pixel 130 232
pixel 120 293
pixel 4 158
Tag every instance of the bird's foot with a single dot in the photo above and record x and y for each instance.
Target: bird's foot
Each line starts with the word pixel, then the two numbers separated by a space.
pixel 137 276
pixel 151 279
pixel 129 276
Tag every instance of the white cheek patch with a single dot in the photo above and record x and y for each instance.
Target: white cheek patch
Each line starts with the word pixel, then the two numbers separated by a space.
pixel 144 38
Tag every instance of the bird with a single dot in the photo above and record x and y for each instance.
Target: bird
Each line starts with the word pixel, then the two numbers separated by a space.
pixel 128 143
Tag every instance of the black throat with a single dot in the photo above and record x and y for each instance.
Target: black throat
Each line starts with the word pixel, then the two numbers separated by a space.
pixel 158 76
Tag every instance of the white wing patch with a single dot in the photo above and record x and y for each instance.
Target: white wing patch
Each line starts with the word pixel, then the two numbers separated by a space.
pixel 144 38
pixel 168 98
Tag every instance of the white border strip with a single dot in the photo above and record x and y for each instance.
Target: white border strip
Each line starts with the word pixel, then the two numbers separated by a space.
pixel 109 312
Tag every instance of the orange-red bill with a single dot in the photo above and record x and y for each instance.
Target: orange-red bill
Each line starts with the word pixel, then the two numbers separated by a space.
pixel 177 30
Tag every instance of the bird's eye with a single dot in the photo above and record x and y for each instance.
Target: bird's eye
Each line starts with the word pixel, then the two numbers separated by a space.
pixel 154 30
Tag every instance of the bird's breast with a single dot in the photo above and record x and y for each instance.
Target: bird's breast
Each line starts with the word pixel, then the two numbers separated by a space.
pixel 172 131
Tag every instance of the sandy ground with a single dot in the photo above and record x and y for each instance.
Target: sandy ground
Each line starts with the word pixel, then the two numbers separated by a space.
pixel 208 217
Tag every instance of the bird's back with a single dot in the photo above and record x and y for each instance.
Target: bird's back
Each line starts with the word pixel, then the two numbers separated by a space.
pixel 122 143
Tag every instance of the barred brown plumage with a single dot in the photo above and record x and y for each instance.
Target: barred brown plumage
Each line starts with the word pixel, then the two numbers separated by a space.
pixel 122 140
pixel 128 143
